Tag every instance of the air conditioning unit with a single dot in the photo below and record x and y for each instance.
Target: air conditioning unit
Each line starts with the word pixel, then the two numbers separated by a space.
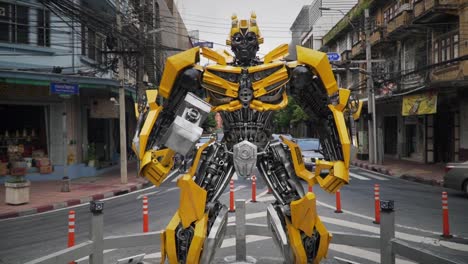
pixel 2 11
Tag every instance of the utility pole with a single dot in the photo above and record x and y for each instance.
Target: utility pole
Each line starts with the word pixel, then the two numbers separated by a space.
pixel 123 133
pixel 142 48
pixel 372 127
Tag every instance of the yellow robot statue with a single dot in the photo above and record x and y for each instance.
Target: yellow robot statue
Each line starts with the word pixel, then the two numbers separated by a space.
pixel 246 91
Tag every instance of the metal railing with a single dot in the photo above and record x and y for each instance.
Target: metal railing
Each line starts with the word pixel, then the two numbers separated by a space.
pixel 389 246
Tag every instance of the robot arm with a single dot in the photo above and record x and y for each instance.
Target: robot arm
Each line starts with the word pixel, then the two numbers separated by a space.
pixel 313 86
pixel 163 130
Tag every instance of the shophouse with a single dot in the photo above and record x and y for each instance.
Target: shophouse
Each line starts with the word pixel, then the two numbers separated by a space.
pixel 58 81
pixel 419 71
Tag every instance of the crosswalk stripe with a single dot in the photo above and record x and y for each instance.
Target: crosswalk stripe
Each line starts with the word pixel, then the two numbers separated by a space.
pixel 375 176
pixel 358 176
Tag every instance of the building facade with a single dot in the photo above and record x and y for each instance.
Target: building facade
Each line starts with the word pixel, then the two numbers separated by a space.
pixel 59 80
pixel 419 72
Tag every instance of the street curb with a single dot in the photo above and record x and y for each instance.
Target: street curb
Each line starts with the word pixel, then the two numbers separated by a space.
pixel 389 172
pixel 72 202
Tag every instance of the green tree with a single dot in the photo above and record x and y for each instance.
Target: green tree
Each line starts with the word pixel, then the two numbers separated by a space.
pixel 291 115
pixel 210 123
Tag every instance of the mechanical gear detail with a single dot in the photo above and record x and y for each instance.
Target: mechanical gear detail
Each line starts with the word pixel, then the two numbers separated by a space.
pixel 246 90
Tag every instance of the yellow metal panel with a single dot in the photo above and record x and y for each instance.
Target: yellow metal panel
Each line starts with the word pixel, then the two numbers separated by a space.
pixel 214 56
pixel 265 66
pixel 342 99
pixel 171 239
pixel 279 76
pixel 231 89
pixel 199 236
pixel 295 241
pixel 163 247
pixel 298 163
pixel 292 64
pixel 147 127
pixel 261 106
pixel 137 114
pixel 304 213
pixel 319 61
pixel 325 239
pixel 231 107
pixel 192 200
pixel 357 114
pixel 196 160
pixel 174 65
pixel 230 69
pixel 277 53
pixel 343 133
pixel 337 177
pixel 156 165
pixel 151 96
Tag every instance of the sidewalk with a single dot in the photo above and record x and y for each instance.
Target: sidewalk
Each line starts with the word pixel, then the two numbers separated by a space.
pixel 46 195
pixel 431 174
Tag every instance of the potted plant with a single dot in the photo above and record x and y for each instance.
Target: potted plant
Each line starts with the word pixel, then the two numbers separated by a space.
pixel 92 155
pixel 17 188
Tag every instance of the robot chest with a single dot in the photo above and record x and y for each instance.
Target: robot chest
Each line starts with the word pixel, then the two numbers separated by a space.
pixel 236 87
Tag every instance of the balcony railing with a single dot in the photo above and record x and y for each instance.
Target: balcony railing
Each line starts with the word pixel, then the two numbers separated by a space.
pixel 428 7
pixel 358 49
pixel 401 21
pixel 376 36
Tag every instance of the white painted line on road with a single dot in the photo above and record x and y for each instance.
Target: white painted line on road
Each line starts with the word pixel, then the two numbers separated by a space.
pixel 230 242
pixel 147 194
pixel 372 219
pixel 374 176
pixel 401 235
pixel 354 175
pixel 365 254
pixel 375 230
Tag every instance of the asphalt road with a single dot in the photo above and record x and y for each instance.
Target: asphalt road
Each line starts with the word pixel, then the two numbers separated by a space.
pixel 418 217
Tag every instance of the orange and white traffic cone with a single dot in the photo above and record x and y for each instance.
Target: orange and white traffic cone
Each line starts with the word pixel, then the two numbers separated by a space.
pixel 377 203
pixel 445 216
pixel 231 197
pixel 254 189
pixel 71 230
pixel 145 214
pixel 338 202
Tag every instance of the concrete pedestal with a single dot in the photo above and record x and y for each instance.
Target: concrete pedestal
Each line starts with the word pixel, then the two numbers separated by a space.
pixel 17 193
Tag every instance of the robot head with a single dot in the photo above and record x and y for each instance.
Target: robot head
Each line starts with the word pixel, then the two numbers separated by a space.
pixel 245 38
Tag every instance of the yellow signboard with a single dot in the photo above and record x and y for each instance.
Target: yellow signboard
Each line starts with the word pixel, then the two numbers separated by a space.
pixel 419 104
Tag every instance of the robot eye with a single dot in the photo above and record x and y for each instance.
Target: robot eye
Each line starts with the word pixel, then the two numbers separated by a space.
pixel 251 37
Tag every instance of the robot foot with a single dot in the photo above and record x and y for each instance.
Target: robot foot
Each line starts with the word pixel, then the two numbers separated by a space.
pixel 299 244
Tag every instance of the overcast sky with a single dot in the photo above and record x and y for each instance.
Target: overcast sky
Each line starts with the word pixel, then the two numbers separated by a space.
pixel 213 17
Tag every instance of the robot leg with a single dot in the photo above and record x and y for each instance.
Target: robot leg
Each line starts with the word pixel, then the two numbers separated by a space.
pixel 197 228
pixel 293 218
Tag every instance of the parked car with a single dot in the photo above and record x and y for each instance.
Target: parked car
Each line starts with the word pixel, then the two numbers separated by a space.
pixel 202 141
pixel 456 176
pixel 310 148
pixel 277 136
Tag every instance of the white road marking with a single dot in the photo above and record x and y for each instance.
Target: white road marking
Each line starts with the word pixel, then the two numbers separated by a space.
pixel 354 175
pixel 365 254
pixel 374 176
pixel 156 192
pixel 230 242
pixel 372 219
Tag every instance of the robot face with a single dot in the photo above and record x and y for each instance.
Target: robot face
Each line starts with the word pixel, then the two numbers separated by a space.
pixel 245 47
pixel 245 38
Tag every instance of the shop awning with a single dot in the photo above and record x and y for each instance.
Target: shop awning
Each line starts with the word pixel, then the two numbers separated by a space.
pixel 44 79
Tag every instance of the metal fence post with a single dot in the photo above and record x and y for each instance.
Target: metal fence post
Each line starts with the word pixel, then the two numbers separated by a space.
pixel 387 232
pixel 241 249
pixel 97 232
